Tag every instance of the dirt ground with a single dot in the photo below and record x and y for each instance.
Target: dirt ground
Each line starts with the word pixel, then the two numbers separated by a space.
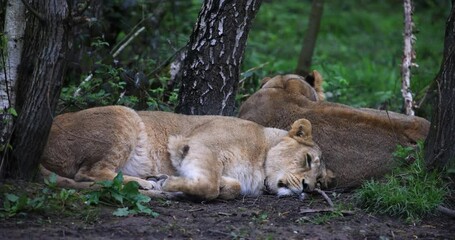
pixel 264 217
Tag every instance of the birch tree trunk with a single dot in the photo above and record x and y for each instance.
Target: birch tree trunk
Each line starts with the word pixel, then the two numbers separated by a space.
pixel 440 142
pixel 39 83
pixel 408 58
pixel 211 68
pixel 10 59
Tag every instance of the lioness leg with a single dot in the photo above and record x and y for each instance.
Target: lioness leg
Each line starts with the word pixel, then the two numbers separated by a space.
pixel 199 170
pixel 70 183
pixel 66 182
pixel 200 187
pixel 229 188
pixel 99 172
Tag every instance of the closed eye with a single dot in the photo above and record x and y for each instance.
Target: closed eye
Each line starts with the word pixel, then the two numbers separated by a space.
pixel 281 184
pixel 309 159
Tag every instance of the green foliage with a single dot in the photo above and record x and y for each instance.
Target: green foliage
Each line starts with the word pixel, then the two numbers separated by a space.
pixel 137 75
pixel 126 197
pixel 410 191
pixel 325 217
pixel 50 199
pixel 261 218
pixel 358 50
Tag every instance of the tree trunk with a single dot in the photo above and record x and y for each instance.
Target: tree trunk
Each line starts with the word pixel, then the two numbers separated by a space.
pixel 211 69
pixel 309 42
pixel 440 143
pixel 10 59
pixel 39 82
pixel 408 58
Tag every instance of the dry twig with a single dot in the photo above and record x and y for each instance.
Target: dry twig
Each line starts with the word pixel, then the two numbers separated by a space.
pixel 329 201
pixel 446 211
pixel 318 210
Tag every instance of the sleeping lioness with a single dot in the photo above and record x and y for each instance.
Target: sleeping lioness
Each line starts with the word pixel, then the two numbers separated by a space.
pixel 357 143
pixel 203 157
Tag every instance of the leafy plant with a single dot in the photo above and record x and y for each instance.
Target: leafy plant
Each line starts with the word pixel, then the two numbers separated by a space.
pixel 126 197
pixel 261 218
pixel 50 199
pixel 409 191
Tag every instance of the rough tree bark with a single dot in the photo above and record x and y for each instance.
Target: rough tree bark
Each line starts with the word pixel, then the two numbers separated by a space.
pixel 10 59
pixel 39 82
pixel 440 142
pixel 211 68
pixel 309 42
pixel 408 58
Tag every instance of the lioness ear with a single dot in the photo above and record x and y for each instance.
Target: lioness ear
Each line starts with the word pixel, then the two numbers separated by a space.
pixel 317 84
pixel 264 81
pixel 301 132
pixel 310 79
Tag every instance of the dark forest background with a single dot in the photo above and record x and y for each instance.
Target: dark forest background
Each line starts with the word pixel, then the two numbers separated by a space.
pixel 358 51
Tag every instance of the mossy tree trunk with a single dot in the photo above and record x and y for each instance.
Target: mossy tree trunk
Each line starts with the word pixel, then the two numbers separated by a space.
pixel 440 143
pixel 211 68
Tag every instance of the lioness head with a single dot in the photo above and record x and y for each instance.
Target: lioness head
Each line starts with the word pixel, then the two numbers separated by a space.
pixel 294 165
pixel 309 86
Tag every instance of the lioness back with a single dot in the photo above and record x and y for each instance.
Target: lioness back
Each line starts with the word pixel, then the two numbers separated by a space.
pixel 357 144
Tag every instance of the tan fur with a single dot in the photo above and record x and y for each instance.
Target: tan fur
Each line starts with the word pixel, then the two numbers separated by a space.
pixel 201 156
pixel 357 144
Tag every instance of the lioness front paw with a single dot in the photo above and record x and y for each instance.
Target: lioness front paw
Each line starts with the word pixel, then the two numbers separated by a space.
pixel 158 181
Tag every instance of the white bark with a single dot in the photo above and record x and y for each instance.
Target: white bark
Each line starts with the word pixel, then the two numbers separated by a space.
pixel 14 32
pixel 408 57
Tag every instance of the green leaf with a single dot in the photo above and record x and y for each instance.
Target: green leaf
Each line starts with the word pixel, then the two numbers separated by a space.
pixel 121 212
pixel 118 197
pixel 11 197
pixel 140 198
pixel 118 180
pixel 22 203
pixel 131 188
pixel 154 214
pixel 143 209
pixel 51 181
pixel 105 183
pixel 12 111
pixel 93 198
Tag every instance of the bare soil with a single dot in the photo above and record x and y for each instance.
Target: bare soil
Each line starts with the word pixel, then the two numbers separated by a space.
pixel 264 217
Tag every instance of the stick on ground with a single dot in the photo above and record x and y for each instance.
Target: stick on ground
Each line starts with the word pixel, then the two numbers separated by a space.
pixel 329 201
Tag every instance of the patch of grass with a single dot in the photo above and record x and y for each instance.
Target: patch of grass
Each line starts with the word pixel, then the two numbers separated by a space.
pixel 409 192
pixel 325 217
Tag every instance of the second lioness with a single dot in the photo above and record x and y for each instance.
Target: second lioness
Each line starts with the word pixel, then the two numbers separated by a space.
pixel 202 156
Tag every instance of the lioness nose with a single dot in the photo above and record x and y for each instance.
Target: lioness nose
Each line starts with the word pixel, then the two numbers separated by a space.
pixel 305 186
